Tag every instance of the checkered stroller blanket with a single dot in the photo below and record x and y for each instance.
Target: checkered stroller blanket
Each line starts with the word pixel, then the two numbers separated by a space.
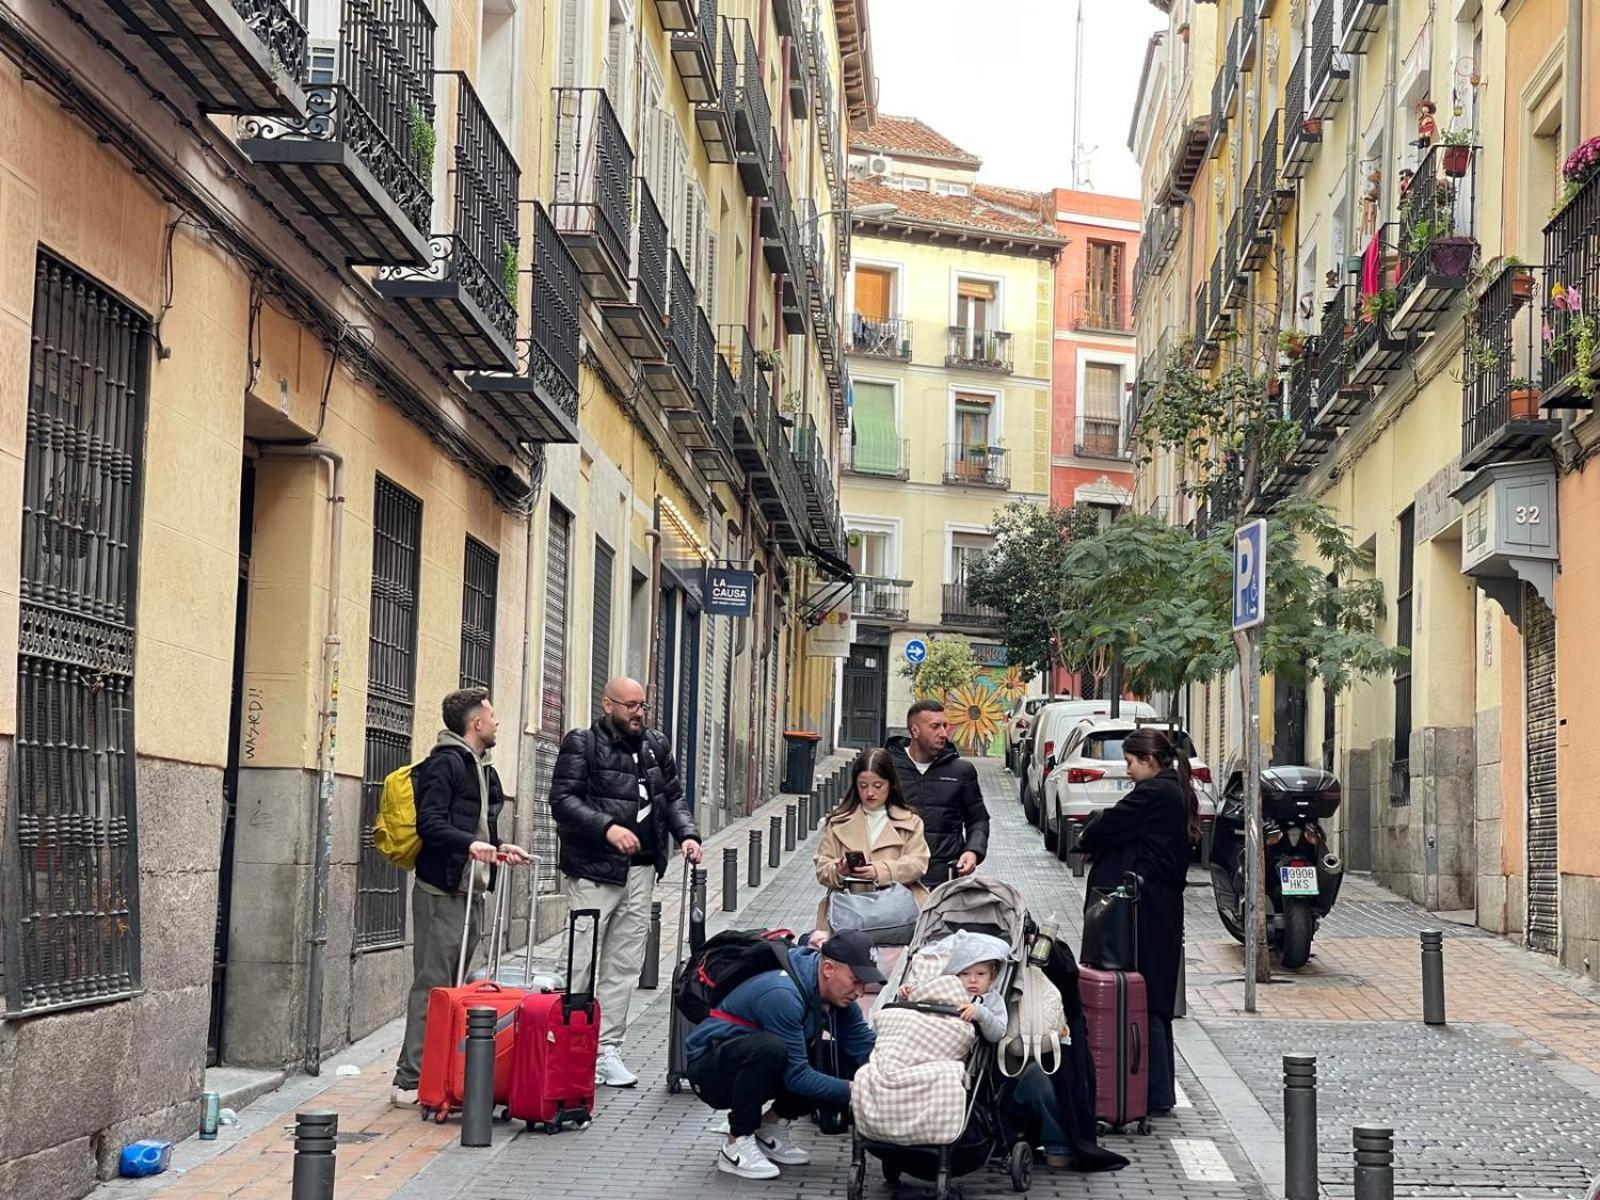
pixel 913 1090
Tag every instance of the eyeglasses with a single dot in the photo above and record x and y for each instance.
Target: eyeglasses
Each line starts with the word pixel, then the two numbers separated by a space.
pixel 627 705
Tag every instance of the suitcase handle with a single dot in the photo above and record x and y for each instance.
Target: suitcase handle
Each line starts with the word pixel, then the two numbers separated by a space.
pixel 574 999
pixel 1138 1050
pixel 466 923
pixel 683 910
pixel 533 918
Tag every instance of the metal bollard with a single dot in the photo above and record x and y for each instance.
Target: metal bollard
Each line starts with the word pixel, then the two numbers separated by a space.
pixel 1374 1175
pixel 477 1092
pixel 316 1137
pixel 791 819
pixel 1076 859
pixel 1433 976
pixel 730 879
pixel 752 877
pixel 1300 1127
pixel 774 842
pixel 650 969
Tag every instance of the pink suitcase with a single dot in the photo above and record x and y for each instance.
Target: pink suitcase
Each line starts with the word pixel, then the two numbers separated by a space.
pixel 1115 1009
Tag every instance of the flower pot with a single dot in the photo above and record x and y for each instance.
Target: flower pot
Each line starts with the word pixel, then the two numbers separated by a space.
pixel 1452 255
pixel 1454 160
pixel 1312 126
pixel 1525 403
pixel 1522 284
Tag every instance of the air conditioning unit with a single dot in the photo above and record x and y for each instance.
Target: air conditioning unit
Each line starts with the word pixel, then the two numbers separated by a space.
pixel 877 165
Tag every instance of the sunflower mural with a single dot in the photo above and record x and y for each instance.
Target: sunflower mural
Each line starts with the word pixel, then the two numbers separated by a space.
pixel 1013 685
pixel 977 713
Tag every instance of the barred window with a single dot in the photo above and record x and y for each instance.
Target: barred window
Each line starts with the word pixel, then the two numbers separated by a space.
pixel 72 893
pixel 479 589
pixel 391 703
pixel 600 664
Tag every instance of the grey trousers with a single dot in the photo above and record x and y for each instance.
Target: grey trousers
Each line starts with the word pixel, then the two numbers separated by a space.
pixel 624 927
pixel 435 950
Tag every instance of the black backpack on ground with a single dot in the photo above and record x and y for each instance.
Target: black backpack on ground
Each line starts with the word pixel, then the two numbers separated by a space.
pixel 723 963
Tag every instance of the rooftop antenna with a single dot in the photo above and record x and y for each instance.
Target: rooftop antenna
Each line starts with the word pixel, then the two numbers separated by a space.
pixel 1077 103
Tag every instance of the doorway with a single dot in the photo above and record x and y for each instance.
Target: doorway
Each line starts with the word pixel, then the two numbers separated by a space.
pixel 866 692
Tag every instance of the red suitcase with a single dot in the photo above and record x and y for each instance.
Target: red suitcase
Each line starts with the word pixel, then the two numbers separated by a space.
pixel 1115 1010
pixel 558 1042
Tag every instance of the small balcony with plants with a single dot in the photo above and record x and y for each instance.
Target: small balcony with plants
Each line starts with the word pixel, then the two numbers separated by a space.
pixel 977 465
pixel 752 412
pixel 1501 417
pixel 1302 129
pixel 879 599
pixel 241 57
pixel 464 302
pixel 591 197
pixel 714 116
pixel 360 162
pixel 1374 348
pixel 1338 396
pixel 1275 191
pixel 880 337
pixel 970 349
pixel 1571 300
pixel 752 123
pixel 638 317
pixel 1437 213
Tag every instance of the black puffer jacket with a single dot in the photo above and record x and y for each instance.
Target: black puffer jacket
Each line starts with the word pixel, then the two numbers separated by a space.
pixel 445 785
pixel 596 786
pixel 954 819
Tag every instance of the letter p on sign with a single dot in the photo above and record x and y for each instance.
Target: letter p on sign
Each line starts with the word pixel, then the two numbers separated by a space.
pixel 1249 575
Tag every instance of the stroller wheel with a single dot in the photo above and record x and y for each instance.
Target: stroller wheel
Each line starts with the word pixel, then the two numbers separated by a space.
pixel 1021 1166
pixel 856 1188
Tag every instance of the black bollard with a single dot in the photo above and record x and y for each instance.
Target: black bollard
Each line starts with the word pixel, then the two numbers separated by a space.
pixel 730 879
pixel 477 1091
pixel 775 842
pixel 316 1137
pixel 1076 859
pixel 752 871
pixel 1300 1127
pixel 650 968
pixel 1374 1175
pixel 791 818
pixel 1433 976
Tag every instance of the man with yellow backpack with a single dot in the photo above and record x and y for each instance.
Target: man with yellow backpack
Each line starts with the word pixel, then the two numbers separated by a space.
pixel 440 818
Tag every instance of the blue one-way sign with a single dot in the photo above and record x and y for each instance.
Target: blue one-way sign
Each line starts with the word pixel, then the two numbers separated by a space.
pixel 916 651
pixel 1250 575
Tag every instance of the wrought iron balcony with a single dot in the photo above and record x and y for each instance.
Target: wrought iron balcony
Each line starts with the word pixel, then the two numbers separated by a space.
pixel 714 117
pixel 1247 26
pixel 246 57
pixel 672 380
pixel 1233 281
pixel 1219 111
pixel 889 337
pixel 977 466
pixel 465 300
pixel 677 15
pixel 1362 20
pixel 1330 71
pixel 1101 439
pixel 1220 303
pixel 1206 344
pixel 590 204
pixel 1338 398
pixel 786 18
pixel 1572 254
pixel 1437 226
pixel 540 404
pixel 1230 58
pixel 695 426
pixel 1300 385
pixel 722 466
pixel 816 483
pixel 800 80
pixel 877 598
pixel 778 490
pixel 878 457
pixel 1100 312
pixel 1302 132
pixel 361 160
pixel 978 349
pixel 1376 349
pixel 639 318
pixel 749 419
pixel 1255 239
pixel 752 123
pixel 1501 418
pixel 961 609
pixel 1275 195
pixel 779 231
pixel 694 51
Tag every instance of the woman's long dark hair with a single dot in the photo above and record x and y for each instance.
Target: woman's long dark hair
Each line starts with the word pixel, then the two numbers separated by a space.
pixel 878 761
pixel 1151 744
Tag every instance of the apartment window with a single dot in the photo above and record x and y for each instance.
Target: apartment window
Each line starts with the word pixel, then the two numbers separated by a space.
pixel 975 304
pixel 965 550
pixel 72 916
pixel 974 417
pixel 558 557
pixel 1103 287
pixel 1399 791
pixel 1100 416
pixel 945 188
pixel 600 662
pixel 914 183
pixel 874 293
pixel 497 60
pixel 875 436
pixel 479 588
pixel 871 552
pixel 391 702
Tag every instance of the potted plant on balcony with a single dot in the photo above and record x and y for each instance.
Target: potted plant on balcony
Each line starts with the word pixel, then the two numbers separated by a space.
pixel 1581 166
pixel 1377 304
pixel 767 360
pixel 1581 336
pixel 1521 278
pixel 1311 126
pixel 1456 152
pixel 1292 344
pixel 424 141
pixel 1524 399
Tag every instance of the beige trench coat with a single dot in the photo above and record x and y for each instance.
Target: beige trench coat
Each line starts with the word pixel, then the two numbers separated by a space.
pixel 901 854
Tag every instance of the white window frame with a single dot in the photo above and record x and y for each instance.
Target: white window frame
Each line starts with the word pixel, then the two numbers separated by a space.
pixel 889 527
pixel 952 528
pixel 996 414
pixel 897 275
pixel 1101 358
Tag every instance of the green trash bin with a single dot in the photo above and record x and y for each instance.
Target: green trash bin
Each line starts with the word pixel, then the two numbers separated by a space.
pixel 799 760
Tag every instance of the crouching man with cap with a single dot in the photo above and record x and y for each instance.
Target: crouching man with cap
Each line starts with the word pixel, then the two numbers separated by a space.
pixel 761 1044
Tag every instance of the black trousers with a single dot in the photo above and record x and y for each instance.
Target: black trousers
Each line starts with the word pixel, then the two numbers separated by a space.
pixel 1163 1064
pixel 741 1073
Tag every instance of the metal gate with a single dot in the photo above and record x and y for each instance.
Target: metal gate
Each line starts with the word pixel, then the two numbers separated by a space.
pixel 600 661
pixel 866 683
pixel 552 689
pixel 1544 879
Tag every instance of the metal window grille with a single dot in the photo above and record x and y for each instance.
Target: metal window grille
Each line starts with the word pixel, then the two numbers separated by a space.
pixel 1544 870
pixel 72 892
pixel 553 693
pixel 479 593
pixel 391 703
pixel 600 668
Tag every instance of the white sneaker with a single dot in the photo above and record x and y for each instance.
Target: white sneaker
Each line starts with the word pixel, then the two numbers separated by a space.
pixel 403 1097
pixel 777 1143
pixel 610 1070
pixel 744 1159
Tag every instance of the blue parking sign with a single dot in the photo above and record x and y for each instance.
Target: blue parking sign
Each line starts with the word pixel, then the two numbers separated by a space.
pixel 1250 575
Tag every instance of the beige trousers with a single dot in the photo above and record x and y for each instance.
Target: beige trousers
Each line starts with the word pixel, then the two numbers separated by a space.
pixel 624 927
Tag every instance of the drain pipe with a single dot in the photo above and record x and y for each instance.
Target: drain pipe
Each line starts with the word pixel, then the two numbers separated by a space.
pixel 1565 443
pixel 327 744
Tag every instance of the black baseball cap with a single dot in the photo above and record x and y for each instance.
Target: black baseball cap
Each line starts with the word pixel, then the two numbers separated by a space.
pixel 855 952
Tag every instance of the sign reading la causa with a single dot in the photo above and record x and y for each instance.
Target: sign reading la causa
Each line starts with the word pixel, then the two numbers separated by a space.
pixel 729 593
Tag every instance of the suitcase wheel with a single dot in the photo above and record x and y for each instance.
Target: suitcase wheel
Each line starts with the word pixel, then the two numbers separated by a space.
pixel 1144 1125
pixel 425 1113
pixel 674 1085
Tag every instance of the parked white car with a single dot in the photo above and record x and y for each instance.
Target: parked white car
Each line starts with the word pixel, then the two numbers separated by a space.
pixel 1091 774
pixel 1018 724
pixel 1048 738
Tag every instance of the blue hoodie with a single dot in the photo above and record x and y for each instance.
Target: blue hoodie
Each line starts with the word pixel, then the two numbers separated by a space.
pixel 772 1003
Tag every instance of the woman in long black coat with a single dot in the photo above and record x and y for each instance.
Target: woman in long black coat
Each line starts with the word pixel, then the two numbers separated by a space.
pixel 1149 832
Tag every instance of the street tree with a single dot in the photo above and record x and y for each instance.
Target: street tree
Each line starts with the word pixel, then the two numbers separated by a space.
pixel 949 665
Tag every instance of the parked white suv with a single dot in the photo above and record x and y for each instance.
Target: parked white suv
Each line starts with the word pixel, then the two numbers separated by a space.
pixel 1018 724
pixel 1091 774
pixel 1048 738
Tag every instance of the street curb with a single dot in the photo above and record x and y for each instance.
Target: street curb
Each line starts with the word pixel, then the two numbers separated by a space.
pixel 1250 1123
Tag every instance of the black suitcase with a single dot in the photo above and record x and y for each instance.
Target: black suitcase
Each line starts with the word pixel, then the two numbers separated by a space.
pixel 691 914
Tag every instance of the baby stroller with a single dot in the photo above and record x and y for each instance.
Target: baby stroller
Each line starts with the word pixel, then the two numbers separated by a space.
pixel 974 905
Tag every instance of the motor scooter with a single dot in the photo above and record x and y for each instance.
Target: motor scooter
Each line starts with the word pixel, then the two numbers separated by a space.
pixel 1303 875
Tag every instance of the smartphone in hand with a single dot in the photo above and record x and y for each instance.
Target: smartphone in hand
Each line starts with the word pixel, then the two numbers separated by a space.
pixel 855 860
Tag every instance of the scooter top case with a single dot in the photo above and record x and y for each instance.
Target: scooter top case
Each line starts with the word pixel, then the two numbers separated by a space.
pixel 1289 796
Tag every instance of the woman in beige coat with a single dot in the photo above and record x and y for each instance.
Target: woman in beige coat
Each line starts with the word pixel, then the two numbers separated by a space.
pixel 871 820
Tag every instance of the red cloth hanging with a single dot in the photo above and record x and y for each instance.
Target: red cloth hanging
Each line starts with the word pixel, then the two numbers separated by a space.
pixel 1372 268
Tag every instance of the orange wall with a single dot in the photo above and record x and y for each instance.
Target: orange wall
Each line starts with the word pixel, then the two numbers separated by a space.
pixel 1578 673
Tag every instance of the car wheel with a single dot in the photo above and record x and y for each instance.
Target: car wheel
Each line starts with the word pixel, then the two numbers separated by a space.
pixel 1052 835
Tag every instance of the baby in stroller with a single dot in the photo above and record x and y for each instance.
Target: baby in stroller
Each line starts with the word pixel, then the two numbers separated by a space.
pixel 979 962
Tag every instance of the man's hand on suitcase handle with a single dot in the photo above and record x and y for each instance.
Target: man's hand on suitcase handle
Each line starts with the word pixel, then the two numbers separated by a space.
pixel 508 852
pixel 691 851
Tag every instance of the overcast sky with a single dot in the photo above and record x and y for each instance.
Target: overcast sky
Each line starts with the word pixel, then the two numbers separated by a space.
pixel 996 78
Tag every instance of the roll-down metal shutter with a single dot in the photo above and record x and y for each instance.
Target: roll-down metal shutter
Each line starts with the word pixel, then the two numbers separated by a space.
pixel 1544 880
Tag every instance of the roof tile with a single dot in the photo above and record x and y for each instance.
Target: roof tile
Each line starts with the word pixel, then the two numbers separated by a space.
pixel 909 136
pixel 1002 210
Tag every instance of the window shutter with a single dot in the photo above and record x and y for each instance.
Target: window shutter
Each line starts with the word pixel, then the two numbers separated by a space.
pixel 616 70
pixel 872 293
pixel 709 291
pixel 567 67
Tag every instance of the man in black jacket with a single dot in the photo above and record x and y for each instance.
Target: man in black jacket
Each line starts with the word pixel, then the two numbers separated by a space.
pixel 458 801
pixel 943 787
pixel 618 803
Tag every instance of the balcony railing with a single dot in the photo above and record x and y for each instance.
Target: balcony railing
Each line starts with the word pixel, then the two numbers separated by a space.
pixel 1501 417
pixel 978 349
pixel 799 67
pixel 236 56
pixel 1101 312
pixel 638 319
pixel 1276 195
pixel 682 313
pixel 1572 252
pixel 960 609
pixel 590 205
pixel 979 466
pixel 1376 349
pixel 1330 74
pixel 464 301
pixel 694 426
pixel 694 52
pixel 1302 132
pixel 1337 397
pixel 1205 342
pixel 360 162
pixel 1362 20
pixel 877 598
pixel 881 457
pixel 714 117
pixel 750 417
pixel 889 337
pixel 752 122
pixel 1300 386
pixel 1101 439
pixel 1438 211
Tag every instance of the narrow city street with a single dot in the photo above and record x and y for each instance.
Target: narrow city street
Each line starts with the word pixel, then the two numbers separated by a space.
pixel 1501 1103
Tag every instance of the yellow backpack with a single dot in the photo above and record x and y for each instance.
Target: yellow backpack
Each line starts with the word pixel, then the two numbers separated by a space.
pixel 394 833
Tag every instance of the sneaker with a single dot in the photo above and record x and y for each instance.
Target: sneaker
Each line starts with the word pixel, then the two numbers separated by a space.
pixel 744 1159
pixel 610 1070
pixel 403 1097
pixel 777 1143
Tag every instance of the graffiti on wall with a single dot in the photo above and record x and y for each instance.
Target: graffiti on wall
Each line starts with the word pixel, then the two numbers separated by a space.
pixel 978 711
